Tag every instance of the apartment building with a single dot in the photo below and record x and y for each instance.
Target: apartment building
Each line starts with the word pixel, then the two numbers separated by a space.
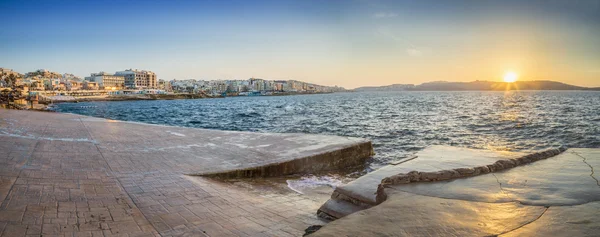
pixel 107 81
pixel 139 79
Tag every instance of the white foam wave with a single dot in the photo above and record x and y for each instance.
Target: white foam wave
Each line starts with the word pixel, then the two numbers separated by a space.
pixel 176 134
pixel 29 136
pixel 312 182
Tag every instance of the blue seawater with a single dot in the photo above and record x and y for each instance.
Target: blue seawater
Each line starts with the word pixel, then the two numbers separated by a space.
pixel 398 123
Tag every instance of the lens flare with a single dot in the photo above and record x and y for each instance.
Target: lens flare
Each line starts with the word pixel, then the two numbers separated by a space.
pixel 510 77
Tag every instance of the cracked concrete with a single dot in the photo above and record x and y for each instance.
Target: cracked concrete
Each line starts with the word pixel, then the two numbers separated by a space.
pixel 578 220
pixel 426 166
pixel 591 168
pixel 499 184
pixel 560 180
pixel 519 227
pixel 558 196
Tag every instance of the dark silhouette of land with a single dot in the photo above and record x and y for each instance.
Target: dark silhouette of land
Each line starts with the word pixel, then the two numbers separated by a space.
pixel 478 86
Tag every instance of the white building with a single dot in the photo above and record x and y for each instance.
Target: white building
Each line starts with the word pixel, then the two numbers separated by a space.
pixel 107 81
pixel 139 79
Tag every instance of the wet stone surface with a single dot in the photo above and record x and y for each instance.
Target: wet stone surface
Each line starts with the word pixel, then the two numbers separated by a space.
pixel 557 196
pixel 561 180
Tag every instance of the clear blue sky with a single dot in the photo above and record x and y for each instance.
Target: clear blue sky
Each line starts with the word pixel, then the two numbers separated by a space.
pixel 347 43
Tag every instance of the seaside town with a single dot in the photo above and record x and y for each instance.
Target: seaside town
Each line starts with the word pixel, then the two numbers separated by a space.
pixel 43 86
pixel 172 118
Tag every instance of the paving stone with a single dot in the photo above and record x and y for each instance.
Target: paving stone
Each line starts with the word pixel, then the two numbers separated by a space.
pixel 78 176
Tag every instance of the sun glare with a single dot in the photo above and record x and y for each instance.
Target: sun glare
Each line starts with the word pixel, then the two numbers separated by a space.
pixel 510 76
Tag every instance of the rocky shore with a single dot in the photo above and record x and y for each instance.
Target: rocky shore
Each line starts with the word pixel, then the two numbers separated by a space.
pixel 62 99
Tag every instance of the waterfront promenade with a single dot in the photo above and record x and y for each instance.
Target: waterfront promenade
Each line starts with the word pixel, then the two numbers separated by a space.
pixel 71 175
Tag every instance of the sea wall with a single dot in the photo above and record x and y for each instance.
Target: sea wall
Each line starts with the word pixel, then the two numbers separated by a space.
pixel 350 157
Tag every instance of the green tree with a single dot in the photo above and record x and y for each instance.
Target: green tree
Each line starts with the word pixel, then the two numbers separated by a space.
pixel 11 80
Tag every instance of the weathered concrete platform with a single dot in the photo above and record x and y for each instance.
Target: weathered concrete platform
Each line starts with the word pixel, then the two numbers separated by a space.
pixel 65 175
pixel 362 192
pixel 550 196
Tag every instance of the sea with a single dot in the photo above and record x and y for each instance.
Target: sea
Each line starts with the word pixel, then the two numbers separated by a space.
pixel 398 123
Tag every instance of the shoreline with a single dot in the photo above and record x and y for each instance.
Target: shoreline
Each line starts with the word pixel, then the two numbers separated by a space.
pixel 44 105
pixel 181 96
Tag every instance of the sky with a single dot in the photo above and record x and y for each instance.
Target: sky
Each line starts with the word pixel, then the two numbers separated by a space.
pixel 349 43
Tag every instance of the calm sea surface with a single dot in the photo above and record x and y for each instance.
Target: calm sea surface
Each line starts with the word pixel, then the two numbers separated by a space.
pixel 398 123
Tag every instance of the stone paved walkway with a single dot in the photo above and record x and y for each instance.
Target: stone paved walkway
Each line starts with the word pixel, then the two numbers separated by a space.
pixel 70 175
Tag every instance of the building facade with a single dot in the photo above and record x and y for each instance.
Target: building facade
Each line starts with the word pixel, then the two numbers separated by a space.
pixel 139 79
pixel 107 81
pixel 164 85
pixel 89 85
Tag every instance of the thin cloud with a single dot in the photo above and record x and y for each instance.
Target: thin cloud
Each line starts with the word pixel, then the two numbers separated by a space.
pixel 418 51
pixel 414 52
pixel 384 15
pixel 411 49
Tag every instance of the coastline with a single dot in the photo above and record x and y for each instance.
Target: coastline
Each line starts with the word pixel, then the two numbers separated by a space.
pixel 180 96
pixel 44 105
pixel 129 97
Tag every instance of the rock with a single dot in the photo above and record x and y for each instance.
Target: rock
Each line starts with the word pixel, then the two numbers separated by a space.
pixel 429 176
pixel 466 171
pixel 454 174
pixel 527 159
pixel 400 179
pixel 483 169
pixel 311 229
pixel 414 176
pixel 506 164
pixel 380 195
pixel 562 149
pixel 516 161
pixel 498 166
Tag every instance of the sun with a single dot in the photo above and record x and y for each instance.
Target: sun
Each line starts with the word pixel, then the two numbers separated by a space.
pixel 510 77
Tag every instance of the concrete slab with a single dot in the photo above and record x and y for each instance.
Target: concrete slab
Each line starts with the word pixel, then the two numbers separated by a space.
pixel 579 220
pixel 405 214
pixel 562 180
pixel 589 156
pixel 431 159
pixel 193 151
pixel 557 196
pixel 71 175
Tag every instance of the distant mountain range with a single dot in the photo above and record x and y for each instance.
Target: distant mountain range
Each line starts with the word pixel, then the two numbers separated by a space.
pixel 477 86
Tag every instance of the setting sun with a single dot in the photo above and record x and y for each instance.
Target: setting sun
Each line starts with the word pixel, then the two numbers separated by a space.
pixel 510 76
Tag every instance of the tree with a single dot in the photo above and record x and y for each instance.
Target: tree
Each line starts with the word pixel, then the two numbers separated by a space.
pixel 11 80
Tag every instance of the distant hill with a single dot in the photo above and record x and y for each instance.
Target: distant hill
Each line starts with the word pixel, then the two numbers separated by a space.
pixel 478 86
pixel 394 87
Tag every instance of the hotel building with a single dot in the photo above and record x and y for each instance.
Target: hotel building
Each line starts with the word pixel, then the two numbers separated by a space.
pixel 139 79
pixel 107 81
